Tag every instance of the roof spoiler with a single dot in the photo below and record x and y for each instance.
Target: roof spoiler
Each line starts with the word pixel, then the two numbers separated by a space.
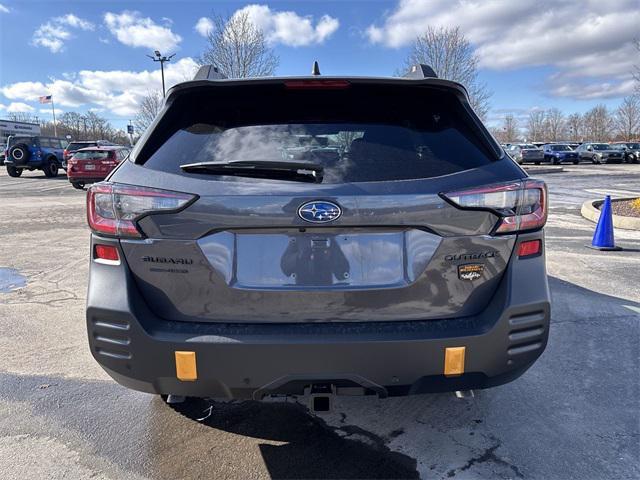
pixel 420 71
pixel 209 72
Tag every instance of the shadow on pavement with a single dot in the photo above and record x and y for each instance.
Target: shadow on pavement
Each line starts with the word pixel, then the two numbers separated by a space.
pixel 313 449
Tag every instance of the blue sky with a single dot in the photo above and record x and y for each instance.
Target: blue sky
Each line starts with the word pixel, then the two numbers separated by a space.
pixel 533 54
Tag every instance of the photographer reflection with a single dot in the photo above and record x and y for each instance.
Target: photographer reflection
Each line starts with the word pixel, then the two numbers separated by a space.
pixel 315 260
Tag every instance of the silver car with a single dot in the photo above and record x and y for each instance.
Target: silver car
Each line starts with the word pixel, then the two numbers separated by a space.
pixel 526 152
pixel 399 251
pixel 600 153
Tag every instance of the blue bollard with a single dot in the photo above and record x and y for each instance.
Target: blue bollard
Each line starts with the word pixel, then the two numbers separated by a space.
pixel 603 236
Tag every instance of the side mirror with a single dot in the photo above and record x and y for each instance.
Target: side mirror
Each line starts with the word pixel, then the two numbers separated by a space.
pixel 589 148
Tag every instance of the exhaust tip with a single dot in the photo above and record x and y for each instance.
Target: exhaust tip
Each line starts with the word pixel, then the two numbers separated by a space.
pixel 464 394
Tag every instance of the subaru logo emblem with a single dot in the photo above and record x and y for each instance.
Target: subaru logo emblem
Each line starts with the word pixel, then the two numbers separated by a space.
pixel 319 211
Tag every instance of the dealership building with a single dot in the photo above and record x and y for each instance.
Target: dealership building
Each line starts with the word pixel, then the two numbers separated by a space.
pixel 8 127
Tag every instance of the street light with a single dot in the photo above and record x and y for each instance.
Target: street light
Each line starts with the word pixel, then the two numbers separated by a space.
pixel 160 58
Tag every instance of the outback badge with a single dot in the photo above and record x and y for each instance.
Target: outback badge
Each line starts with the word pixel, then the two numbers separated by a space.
pixel 470 271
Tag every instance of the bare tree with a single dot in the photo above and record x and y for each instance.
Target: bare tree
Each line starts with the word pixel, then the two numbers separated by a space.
pixel 597 123
pixel 148 110
pixel 535 126
pixel 627 118
pixel 22 117
pixel 574 127
pixel 510 132
pixel 554 125
pixel 452 57
pixel 238 48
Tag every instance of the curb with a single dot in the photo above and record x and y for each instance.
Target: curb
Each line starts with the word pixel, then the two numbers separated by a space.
pixel 590 211
pixel 534 170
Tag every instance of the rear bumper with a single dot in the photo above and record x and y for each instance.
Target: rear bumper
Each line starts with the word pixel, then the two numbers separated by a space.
pixel 74 177
pixel 389 358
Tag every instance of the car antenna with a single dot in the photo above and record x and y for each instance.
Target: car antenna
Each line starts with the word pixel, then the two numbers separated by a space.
pixel 315 70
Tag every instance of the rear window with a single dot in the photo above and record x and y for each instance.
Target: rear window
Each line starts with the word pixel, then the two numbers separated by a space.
pixel 73 146
pixel 18 140
pixel 91 155
pixel 363 133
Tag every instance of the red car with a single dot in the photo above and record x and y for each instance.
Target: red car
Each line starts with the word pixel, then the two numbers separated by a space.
pixel 93 164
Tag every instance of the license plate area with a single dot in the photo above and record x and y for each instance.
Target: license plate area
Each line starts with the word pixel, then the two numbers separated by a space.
pixel 320 260
pixel 89 166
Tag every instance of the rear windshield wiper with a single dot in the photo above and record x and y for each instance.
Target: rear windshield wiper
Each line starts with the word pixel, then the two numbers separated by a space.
pixel 277 170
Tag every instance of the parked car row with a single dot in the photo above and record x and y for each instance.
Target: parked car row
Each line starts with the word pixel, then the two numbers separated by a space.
pixel 557 153
pixel 85 161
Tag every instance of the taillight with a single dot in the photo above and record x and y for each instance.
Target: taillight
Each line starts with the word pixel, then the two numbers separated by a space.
pixel 521 205
pixel 113 209
pixel 65 153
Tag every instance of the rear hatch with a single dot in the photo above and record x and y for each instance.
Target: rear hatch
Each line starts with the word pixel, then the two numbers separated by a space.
pixel 364 233
pixel 92 162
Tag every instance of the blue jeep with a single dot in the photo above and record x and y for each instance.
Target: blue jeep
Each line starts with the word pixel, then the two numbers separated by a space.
pixel 34 153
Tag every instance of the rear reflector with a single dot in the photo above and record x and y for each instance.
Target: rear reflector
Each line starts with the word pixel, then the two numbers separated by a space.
pixel 529 248
pixel 114 209
pixel 186 369
pixel 454 361
pixel 521 205
pixel 316 84
pixel 106 252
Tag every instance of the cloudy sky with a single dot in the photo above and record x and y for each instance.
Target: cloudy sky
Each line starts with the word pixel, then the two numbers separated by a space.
pixel 533 54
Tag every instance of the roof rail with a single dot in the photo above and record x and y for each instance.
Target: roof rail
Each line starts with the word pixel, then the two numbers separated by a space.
pixel 209 72
pixel 421 70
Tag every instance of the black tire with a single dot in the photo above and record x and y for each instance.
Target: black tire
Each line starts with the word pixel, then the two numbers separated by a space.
pixel 78 185
pixel 575 162
pixel 13 171
pixel 594 159
pixel 50 168
pixel 19 154
pixel 537 163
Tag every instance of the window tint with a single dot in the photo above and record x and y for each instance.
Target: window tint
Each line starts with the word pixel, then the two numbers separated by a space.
pixel 368 133
pixel 91 155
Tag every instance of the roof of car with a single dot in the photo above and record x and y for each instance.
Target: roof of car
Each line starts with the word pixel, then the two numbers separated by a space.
pixel 428 81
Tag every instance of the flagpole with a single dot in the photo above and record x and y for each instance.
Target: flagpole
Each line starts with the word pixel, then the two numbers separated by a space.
pixel 53 109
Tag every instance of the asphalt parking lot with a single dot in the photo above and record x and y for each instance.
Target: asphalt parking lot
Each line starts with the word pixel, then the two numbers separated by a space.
pixel 575 414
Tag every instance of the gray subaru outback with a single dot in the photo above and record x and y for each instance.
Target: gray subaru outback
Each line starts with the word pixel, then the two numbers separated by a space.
pixel 318 235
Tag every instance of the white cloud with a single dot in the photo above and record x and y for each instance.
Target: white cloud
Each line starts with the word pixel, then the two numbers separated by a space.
pixel 289 28
pixel 54 33
pixel 19 107
pixel 48 111
pixel 3 106
pixel 4 9
pixel 118 91
pixel 134 30
pixel 588 42
pixel 204 26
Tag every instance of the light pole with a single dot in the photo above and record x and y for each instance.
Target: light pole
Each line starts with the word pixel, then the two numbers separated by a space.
pixel 161 58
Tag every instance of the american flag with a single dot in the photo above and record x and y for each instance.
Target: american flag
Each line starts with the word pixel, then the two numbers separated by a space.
pixel 45 99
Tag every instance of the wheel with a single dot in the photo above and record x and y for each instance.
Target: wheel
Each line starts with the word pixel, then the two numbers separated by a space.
pixel 537 163
pixel 13 171
pixel 555 161
pixel 19 154
pixel 78 185
pixel 50 168
pixel 594 159
pixel 575 162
